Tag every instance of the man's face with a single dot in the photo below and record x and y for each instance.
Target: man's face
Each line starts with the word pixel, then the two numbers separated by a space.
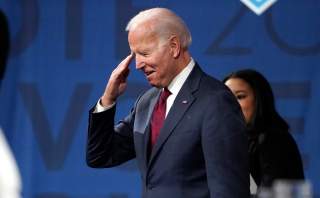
pixel 153 58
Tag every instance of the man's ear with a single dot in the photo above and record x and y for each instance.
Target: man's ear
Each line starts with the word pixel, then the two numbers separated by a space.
pixel 175 46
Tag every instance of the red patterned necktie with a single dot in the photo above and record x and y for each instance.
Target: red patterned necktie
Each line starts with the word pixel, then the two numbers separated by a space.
pixel 158 115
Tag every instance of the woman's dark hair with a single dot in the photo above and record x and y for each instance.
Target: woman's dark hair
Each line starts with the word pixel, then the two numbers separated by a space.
pixel 265 115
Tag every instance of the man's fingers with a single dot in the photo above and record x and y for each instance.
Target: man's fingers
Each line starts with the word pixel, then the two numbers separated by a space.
pixel 126 62
pixel 121 72
pixel 125 73
pixel 123 67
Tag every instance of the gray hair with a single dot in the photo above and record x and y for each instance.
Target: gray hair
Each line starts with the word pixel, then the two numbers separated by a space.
pixel 164 23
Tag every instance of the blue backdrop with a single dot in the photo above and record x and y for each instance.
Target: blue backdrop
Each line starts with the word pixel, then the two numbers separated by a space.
pixel 63 51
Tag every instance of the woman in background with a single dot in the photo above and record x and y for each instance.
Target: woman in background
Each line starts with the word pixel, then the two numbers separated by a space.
pixel 273 153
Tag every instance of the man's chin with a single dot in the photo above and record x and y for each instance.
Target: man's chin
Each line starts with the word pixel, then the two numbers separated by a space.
pixel 153 84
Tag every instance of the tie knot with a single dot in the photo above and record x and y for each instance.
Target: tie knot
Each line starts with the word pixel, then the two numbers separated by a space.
pixel 165 94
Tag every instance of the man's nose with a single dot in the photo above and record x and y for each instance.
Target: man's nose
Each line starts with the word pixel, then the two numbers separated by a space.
pixel 139 62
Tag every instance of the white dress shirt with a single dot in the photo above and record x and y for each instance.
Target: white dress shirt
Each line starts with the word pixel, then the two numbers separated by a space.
pixel 177 83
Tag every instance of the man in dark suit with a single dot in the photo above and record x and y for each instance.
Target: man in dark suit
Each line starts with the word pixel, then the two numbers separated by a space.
pixel 187 132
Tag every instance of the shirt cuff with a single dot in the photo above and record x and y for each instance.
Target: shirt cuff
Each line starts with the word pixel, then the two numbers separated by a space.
pixel 99 108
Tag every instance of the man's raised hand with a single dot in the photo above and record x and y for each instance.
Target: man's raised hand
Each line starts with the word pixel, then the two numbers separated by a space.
pixel 117 82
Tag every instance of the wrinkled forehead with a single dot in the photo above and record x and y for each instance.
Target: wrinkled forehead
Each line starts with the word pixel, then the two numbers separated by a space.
pixel 142 37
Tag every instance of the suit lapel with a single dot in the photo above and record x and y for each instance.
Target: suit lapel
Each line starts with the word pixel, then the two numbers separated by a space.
pixel 181 104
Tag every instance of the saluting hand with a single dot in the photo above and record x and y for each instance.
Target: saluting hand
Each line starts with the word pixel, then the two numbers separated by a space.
pixel 117 82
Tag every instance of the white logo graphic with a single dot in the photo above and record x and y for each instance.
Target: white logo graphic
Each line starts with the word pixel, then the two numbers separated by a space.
pixel 258 6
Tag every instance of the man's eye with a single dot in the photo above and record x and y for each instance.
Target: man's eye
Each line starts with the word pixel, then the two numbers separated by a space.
pixel 144 54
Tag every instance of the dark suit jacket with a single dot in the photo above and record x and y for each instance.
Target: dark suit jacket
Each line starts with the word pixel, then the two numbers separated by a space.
pixel 202 149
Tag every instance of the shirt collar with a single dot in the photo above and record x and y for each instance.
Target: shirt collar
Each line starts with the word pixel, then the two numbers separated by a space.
pixel 178 81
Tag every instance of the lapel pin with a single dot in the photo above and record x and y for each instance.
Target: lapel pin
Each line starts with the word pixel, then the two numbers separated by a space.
pixel 184 102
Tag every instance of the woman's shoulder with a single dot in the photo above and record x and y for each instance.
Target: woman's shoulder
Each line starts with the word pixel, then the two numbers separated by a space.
pixel 276 138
